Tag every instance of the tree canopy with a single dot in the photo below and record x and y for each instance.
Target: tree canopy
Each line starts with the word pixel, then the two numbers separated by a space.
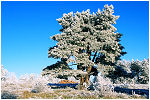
pixel 87 39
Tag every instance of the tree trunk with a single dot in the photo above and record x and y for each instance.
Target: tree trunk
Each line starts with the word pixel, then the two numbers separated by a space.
pixel 88 70
pixel 88 75
pixel 81 82
pixel 85 78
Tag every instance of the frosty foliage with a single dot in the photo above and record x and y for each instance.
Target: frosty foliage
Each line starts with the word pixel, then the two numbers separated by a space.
pixel 140 70
pixel 105 69
pixel 84 34
pixel 4 73
pixel 103 87
pixel 10 83
pixel 125 65
pixel 59 71
pixel 73 79
pixel 60 74
pixel 28 86
pixel 134 72
pixel 102 84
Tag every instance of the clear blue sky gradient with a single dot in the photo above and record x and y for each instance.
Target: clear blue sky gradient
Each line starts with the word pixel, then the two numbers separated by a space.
pixel 26 28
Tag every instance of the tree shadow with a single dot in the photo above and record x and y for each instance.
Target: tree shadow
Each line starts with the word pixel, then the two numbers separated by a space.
pixel 132 91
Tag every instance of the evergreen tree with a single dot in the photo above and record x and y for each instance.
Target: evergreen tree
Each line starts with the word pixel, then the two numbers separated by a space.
pixel 89 39
pixel 129 72
pixel 140 70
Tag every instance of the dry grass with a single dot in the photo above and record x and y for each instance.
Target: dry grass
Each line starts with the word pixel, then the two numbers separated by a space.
pixel 29 95
pixel 75 94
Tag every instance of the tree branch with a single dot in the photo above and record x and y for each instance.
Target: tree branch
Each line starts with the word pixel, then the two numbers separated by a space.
pixel 72 64
pixel 94 56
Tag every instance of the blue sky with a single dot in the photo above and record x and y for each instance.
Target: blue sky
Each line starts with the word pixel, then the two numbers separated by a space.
pixel 26 28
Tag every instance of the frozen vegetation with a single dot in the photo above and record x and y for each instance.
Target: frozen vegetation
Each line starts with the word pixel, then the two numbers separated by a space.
pixel 90 42
pixel 35 86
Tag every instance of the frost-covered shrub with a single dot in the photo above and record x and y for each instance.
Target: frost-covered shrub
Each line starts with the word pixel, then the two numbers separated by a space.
pixel 4 73
pixel 10 83
pixel 8 80
pixel 102 85
pixel 41 84
pixel 32 81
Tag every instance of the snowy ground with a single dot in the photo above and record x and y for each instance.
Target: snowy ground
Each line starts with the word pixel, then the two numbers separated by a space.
pixel 67 93
pixel 35 86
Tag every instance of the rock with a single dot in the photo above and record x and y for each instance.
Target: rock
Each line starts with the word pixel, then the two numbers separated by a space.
pixel 35 91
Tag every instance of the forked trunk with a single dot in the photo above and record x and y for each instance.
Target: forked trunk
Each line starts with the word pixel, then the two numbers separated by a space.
pixel 85 78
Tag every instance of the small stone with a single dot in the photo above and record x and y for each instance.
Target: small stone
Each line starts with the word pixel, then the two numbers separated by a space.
pixel 35 91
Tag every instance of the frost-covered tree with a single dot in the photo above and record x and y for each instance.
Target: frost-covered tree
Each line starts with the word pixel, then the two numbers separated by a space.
pixel 140 70
pixel 87 39
pixel 134 72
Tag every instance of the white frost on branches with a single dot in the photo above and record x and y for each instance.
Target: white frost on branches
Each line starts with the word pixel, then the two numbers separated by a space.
pixel 102 85
pixel 83 32
pixel 10 83
pixel 134 72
